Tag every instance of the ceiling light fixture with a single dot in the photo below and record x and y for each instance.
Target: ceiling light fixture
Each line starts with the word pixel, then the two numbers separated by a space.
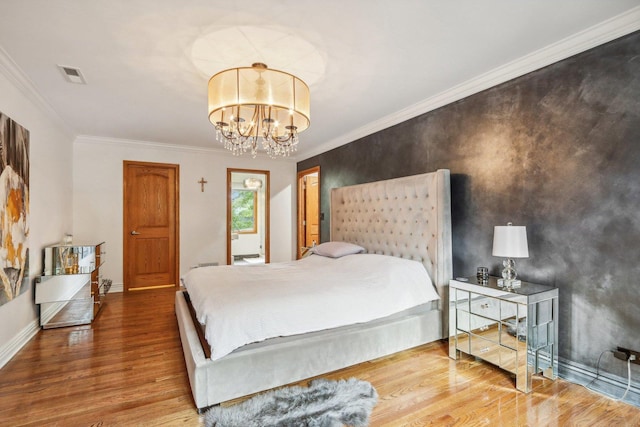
pixel 252 183
pixel 255 103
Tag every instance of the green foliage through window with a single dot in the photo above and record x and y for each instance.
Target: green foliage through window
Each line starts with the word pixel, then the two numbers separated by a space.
pixel 244 206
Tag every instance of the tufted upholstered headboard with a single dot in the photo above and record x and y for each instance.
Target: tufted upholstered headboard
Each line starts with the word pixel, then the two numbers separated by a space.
pixel 408 217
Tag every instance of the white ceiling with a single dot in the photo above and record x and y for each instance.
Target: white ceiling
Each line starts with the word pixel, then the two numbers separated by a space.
pixel 372 63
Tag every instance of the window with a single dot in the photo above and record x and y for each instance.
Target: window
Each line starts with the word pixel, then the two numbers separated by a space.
pixel 244 209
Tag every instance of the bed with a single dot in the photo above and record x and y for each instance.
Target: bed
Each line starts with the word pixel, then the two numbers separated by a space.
pixel 407 218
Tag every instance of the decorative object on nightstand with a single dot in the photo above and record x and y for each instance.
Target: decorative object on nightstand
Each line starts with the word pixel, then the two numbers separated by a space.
pixel 515 329
pixel 482 274
pixel 510 242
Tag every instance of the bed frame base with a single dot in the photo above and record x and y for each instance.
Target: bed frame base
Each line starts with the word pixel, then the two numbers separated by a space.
pixel 261 367
pixel 408 217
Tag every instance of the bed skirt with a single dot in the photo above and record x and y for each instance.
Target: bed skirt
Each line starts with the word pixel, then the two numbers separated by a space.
pixel 280 361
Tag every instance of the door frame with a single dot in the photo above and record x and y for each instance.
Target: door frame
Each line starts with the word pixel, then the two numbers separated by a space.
pixel 300 207
pixel 267 210
pixel 126 226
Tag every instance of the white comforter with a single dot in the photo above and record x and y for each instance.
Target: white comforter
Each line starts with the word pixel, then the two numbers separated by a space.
pixel 244 304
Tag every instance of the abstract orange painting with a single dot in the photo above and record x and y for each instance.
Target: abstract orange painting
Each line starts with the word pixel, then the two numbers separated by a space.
pixel 14 209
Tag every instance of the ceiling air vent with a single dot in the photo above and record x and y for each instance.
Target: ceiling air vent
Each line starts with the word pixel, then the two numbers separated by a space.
pixel 72 75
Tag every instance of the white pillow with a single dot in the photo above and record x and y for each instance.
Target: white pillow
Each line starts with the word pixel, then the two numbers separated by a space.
pixel 336 249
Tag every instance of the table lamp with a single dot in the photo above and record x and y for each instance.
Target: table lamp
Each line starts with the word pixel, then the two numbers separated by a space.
pixel 510 242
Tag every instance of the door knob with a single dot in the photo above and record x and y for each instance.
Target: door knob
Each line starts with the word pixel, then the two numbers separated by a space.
pixel 134 233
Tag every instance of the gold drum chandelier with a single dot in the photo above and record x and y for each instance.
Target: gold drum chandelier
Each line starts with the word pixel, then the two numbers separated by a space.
pixel 255 103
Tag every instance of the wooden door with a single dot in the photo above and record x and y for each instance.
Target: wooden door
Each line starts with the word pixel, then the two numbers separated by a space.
pixel 311 211
pixel 308 209
pixel 151 225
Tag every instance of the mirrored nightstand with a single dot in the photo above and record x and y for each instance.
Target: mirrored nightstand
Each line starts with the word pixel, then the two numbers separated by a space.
pixel 70 291
pixel 515 329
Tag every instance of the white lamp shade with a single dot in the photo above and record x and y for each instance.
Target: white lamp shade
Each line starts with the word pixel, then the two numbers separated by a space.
pixel 510 241
pixel 236 93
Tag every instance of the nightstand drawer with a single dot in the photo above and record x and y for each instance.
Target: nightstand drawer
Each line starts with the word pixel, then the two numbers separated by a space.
pixel 492 352
pixel 486 328
pixel 485 349
pixel 496 332
pixel 493 308
pixel 473 323
pixel 485 306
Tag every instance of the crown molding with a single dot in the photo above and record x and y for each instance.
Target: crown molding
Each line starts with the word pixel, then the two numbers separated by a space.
pixel 132 143
pixel 606 31
pixel 19 79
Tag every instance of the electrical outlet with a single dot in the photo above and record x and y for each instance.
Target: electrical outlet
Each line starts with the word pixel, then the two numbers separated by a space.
pixel 626 354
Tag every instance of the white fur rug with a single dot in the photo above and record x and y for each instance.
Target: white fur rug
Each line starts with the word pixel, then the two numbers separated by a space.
pixel 324 403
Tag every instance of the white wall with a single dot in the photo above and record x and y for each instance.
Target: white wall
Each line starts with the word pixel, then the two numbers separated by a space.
pixel 97 207
pixel 50 199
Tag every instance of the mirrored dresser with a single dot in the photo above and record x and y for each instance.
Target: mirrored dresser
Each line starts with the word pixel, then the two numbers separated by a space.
pixel 515 329
pixel 70 291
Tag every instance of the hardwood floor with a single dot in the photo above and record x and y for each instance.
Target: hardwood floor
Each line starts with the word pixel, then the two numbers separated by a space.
pixel 127 369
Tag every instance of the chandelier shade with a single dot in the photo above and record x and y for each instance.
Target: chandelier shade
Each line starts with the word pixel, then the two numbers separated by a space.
pixel 255 103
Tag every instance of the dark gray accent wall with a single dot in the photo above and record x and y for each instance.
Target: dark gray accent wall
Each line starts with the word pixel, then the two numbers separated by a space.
pixel 557 150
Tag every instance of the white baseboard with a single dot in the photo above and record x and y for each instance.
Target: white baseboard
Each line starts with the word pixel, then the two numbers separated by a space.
pixel 607 384
pixel 11 348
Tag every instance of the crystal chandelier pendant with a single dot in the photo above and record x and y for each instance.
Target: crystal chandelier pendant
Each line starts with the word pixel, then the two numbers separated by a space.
pixel 259 100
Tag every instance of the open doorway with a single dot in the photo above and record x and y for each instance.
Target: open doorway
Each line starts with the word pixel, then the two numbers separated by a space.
pixel 308 209
pixel 247 216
